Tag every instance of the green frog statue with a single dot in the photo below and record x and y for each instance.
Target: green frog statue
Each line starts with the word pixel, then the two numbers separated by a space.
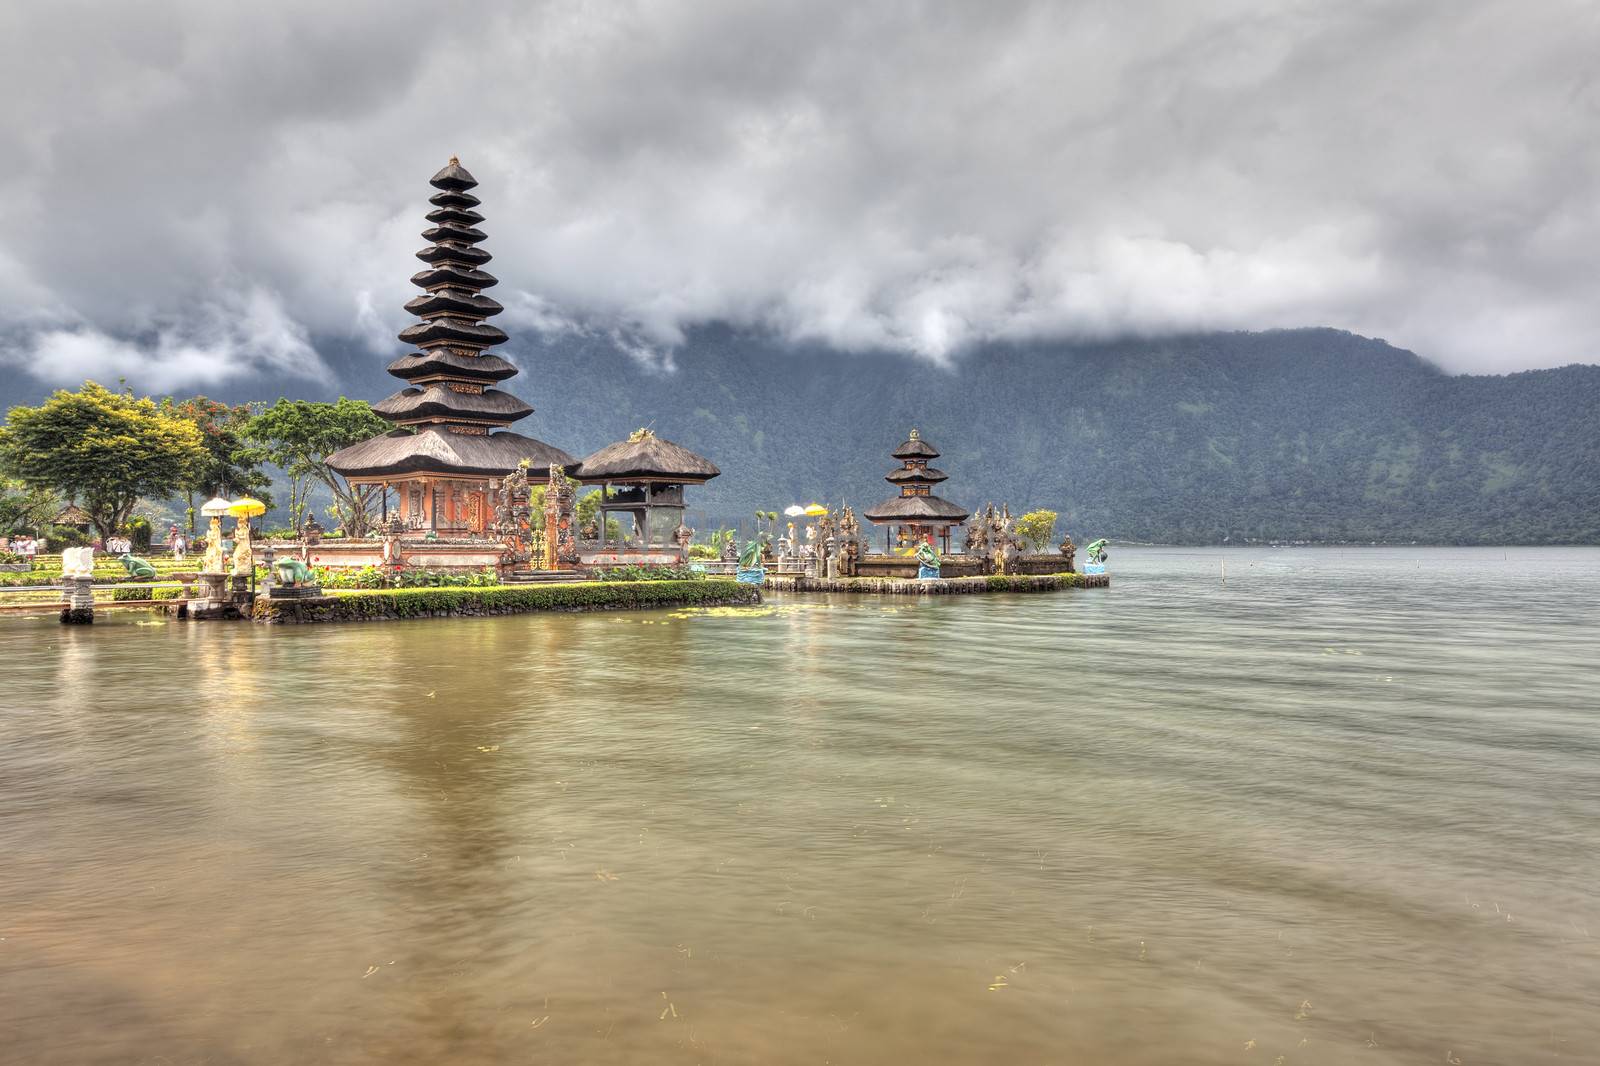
pixel 293 573
pixel 928 562
pixel 136 567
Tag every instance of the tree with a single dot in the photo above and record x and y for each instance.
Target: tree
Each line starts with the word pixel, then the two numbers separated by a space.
pixel 24 509
pixel 299 435
pixel 232 464
pixel 1035 529
pixel 104 449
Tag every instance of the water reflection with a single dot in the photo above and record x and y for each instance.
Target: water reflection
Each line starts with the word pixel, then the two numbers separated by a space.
pixel 1315 811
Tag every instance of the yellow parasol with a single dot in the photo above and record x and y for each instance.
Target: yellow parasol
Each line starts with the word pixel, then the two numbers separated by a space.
pixel 815 510
pixel 248 507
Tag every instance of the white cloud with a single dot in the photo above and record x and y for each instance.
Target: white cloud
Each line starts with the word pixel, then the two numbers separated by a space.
pixel 240 335
pixel 914 175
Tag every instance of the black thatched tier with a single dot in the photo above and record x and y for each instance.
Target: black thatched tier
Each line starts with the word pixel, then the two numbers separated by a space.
pixel 444 362
pixel 441 331
pixel 454 277
pixel 451 231
pixel 912 509
pixel 440 401
pixel 454 199
pixel 463 254
pixel 433 450
pixel 645 457
pixel 460 216
pixel 915 448
pixel 912 476
pixel 453 302
pixel 453 177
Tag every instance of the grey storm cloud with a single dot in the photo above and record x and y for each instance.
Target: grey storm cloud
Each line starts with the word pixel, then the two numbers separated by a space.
pixel 200 190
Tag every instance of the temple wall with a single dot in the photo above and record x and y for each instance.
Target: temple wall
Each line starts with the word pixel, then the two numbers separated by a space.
pixel 428 555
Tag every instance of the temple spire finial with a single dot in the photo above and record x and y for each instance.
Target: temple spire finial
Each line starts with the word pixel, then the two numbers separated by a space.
pixel 454 161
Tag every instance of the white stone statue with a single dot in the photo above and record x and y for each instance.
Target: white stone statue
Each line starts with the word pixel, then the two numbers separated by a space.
pixel 77 562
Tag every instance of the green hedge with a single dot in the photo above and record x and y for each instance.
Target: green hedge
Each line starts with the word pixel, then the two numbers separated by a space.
pixel 1032 582
pixel 373 604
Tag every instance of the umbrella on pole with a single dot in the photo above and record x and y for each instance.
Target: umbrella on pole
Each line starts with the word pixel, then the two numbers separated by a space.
pixel 794 510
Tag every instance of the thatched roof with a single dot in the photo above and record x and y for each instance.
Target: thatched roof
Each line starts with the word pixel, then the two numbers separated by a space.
pixel 453 177
pixel 438 401
pixel 447 363
pixel 645 457
pixel 438 451
pixel 915 447
pixel 459 332
pixel 924 476
pixel 454 301
pixel 932 510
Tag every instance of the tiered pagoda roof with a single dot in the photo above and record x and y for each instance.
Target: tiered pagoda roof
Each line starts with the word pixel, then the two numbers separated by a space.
pixel 451 413
pixel 916 504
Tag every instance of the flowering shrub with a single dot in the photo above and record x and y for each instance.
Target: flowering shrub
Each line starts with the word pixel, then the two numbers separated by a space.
pixel 375 577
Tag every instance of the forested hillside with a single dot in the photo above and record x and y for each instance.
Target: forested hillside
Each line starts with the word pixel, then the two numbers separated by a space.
pixel 1296 435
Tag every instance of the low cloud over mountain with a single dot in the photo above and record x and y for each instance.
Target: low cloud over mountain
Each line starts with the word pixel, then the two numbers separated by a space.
pixel 198 190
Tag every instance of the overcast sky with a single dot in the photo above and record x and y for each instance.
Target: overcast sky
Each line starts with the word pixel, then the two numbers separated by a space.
pixel 198 190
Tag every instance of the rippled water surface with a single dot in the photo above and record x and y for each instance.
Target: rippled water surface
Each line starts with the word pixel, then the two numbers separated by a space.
pixel 1342 807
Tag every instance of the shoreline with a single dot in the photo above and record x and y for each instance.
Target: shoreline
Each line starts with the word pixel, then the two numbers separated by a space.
pixel 938 586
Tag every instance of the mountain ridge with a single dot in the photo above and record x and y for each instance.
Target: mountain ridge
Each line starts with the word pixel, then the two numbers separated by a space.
pixel 1284 435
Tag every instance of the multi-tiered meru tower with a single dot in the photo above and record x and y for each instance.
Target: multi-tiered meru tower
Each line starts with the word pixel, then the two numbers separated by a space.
pixel 452 441
pixel 917 512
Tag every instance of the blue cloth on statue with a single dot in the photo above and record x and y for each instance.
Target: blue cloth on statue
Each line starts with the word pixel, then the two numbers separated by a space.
pixel 756 575
pixel 925 572
pixel 1094 568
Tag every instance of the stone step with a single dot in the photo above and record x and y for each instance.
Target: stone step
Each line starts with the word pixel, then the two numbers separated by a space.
pixel 542 577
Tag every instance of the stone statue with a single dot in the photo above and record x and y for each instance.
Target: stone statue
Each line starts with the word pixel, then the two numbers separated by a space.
pixel 1002 546
pixel 136 567
pixel 77 562
pixel 1068 550
pixel 750 558
pixel 313 530
pixel 244 560
pixel 293 573
pixel 215 561
pixel 978 535
pixel 681 537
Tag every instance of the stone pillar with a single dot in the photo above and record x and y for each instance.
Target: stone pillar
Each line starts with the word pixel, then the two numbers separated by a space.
pixel 80 601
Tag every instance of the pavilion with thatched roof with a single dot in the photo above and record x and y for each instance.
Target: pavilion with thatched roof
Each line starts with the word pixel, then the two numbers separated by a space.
pixel 643 478
pixel 916 512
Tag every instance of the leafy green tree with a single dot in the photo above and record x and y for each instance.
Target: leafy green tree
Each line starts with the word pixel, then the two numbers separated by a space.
pixel 299 435
pixel 1035 529
pixel 104 449
pixel 24 509
pixel 232 464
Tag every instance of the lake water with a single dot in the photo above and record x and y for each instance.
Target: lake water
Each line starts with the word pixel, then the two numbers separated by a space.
pixel 1342 807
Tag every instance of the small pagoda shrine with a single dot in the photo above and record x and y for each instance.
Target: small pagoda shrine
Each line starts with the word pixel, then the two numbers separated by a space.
pixel 451 445
pixel 916 512
pixel 643 479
